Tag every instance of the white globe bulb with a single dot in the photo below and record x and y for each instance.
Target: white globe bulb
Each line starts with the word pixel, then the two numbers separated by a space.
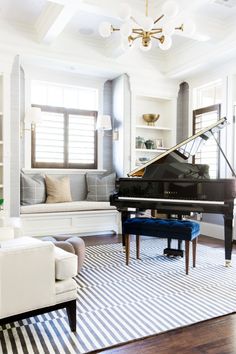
pixel 189 27
pixel 168 29
pixel 170 9
pixel 145 49
pixel 166 44
pixel 147 23
pixel 105 29
pixel 126 29
pixel 124 12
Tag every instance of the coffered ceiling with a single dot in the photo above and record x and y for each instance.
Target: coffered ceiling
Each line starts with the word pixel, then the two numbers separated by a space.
pixel 214 40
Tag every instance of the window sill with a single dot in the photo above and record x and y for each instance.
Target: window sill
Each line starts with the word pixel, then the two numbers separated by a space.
pixel 60 171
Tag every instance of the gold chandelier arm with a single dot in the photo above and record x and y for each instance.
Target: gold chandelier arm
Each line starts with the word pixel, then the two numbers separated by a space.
pixel 158 19
pixel 155 31
pixel 113 29
pixel 133 19
pixel 133 38
pixel 180 28
pixel 137 31
pixel 161 39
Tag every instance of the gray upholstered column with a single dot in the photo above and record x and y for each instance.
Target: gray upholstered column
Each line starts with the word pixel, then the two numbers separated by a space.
pixel 107 139
pixel 15 139
pixel 182 112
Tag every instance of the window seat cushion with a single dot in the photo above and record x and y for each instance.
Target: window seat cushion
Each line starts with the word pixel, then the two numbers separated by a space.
pixel 82 205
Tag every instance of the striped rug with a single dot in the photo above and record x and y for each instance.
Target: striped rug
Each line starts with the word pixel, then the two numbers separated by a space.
pixel 117 304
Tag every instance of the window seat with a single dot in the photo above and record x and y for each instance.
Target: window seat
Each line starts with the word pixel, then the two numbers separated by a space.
pixel 81 205
pixel 80 217
pixel 84 214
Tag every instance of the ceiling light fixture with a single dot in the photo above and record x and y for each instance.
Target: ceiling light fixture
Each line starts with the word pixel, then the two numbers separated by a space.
pixel 145 29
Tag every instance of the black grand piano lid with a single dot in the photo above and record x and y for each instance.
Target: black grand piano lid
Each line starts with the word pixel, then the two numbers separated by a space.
pixel 184 150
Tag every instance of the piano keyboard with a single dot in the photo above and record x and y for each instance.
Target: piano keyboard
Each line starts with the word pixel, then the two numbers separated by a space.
pixel 182 201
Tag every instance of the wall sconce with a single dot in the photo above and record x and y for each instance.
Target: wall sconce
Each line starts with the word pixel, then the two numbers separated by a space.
pixel 104 123
pixel 33 116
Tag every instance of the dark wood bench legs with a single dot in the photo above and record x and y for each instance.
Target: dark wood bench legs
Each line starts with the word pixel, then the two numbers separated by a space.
pixel 127 248
pixel 186 257
pixel 187 246
pixel 138 246
pixel 194 246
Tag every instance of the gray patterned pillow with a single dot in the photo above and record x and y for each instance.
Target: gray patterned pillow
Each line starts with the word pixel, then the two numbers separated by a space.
pixel 100 187
pixel 32 189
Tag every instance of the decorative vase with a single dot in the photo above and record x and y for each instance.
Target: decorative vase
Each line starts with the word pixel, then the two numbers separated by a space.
pixel 149 144
pixel 139 142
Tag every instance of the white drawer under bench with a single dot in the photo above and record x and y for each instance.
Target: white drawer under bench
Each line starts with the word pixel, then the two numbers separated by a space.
pixel 80 217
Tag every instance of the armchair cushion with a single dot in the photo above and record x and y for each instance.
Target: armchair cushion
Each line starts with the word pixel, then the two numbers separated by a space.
pixel 66 264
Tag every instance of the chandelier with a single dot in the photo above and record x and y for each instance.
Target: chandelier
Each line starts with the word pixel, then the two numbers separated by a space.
pixel 145 29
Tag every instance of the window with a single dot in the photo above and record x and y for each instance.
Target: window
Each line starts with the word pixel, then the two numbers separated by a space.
pixel 208 95
pixel 207 101
pixel 67 137
pixel 209 155
pixel 56 95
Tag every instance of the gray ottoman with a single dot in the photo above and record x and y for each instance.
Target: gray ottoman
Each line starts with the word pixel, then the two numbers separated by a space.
pixel 71 244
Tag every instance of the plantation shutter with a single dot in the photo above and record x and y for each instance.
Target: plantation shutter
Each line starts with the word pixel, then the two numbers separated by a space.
pixel 49 137
pixel 209 155
pixel 67 138
pixel 81 141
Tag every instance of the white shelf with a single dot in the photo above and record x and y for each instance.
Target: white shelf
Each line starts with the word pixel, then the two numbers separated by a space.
pixel 1 185
pixel 151 127
pixel 1 142
pixel 151 150
pixel 1 113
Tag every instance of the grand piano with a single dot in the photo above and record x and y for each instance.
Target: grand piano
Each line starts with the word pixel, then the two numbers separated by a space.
pixel 171 184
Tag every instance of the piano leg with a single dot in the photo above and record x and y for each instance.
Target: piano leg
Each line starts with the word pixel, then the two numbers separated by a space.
pixel 228 230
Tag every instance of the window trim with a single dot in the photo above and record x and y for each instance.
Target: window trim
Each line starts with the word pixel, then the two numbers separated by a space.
pixel 66 112
pixel 208 109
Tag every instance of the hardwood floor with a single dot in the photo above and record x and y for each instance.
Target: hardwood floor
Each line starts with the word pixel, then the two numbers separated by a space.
pixel 216 336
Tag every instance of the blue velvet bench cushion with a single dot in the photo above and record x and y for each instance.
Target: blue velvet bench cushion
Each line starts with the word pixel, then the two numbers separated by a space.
pixel 165 228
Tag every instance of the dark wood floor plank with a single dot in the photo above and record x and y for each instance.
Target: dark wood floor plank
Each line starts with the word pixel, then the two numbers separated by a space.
pixel 216 336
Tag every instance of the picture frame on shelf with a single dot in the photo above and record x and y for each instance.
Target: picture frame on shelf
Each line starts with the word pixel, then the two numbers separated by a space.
pixel 159 143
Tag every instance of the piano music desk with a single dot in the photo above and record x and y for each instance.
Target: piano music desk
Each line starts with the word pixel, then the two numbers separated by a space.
pixel 182 230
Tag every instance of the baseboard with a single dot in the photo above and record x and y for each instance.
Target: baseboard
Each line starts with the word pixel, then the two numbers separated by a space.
pixel 214 230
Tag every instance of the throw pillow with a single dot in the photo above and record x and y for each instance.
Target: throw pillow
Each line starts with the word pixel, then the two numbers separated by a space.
pixel 100 187
pixel 58 189
pixel 32 189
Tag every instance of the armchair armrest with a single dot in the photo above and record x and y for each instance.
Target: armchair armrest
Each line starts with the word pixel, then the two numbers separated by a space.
pixel 27 276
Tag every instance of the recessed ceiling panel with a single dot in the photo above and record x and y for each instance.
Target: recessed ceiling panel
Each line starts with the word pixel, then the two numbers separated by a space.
pixel 25 11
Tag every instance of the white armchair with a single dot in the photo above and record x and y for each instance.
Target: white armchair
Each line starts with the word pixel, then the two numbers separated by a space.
pixel 36 277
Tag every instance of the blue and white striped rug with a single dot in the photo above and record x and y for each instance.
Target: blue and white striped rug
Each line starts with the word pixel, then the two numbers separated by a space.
pixel 117 304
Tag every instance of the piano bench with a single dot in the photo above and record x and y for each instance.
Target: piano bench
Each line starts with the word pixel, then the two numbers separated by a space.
pixel 182 230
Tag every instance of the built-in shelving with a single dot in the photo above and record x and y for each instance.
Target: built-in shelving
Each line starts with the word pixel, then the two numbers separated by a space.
pixel 162 133
pixel 152 127
pixel 151 150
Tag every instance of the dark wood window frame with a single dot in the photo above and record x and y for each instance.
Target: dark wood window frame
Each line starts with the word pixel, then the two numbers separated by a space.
pixel 208 109
pixel 66 165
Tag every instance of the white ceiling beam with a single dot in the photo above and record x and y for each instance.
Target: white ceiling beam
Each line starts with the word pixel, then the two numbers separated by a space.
pixel 54 18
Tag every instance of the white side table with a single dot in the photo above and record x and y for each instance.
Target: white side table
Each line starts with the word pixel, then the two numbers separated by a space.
pixel 9 227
